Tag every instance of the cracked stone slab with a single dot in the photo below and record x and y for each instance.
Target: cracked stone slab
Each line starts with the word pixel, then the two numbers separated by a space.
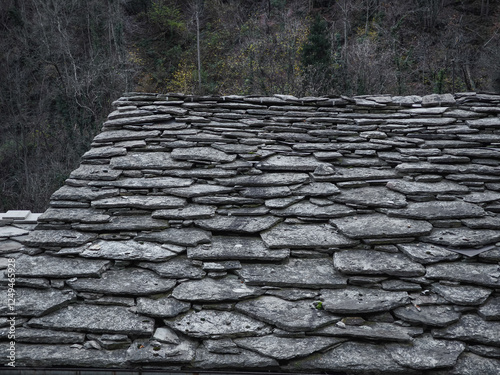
pixel 213 324
pixel 462 237
pixel 236 248
pixel 83 215
pixel 126 281
pixel 415 187
pixel 380 226
pixel 267 179
pixel 354 300
pixel 229 288
pixel 352 357
pixel 96 319
pixel 164 307
pixel 284 348
pixel 56 238
pixel 125 223
pixel 95 172
pixel 371 331
pixel 37 355
pixel 178 236
pixel 472 364
pixel 305 236
pixel 471 328
pixel 143 351
pixel 365 262
pixel 208 360
pixel 426 253
pixel 289 316
pixel 296 273
pixel 426 353
pixel 371 196
pixel 436 210
pixel 191 211
pixel 58 267
pixel 138 201
pixel 127 250
pixel 308 209
pixel 491 309
pixel 202 153
pixel 37 302
pixel 290 163
pixel 462 294
pixel 44 336
pixel 238 224
pixel 438 316
pixel 145 160
pixel 177 268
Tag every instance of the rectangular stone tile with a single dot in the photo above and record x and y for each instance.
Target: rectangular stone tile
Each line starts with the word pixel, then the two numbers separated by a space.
pixel 59 267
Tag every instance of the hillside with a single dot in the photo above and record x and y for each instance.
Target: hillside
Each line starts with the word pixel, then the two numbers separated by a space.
pixel 64 62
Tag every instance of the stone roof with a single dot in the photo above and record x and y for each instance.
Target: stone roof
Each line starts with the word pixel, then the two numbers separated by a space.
pixel 357 235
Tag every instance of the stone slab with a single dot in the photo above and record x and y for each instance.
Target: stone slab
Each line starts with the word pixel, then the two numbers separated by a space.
pixel 199 190
pixel 491 309
pixel 462 237
pixel 471 328
pixel 9 246
pixel 415 187
pixel 84 194
pixel 365 262
pixel 153 351
pixel 213 324
pixel 287 315
pixel 378 331
pixel 202 153
pixel 127 281
pixel 290 163
pixel 177 236
pixel 267 179
pixel 238 224
pixel 176 268
pixel 95 173
pixel 145 183
pixel 462 294
pixel 125 223
pixel 437 316
pixel 82 215
pixel 164 307
pixel 58 238
pixel 251 360
pixel 43 336
pixel 357 174
pixel 296 273
pixel 371 196
pixel 96 319
pixel 124 135
pixel 58 267
pixel 191 211
pixel 380 226
pixel 104 152
pixel 236 248
pixel 308 209
pixel 354 300
pixel 127 250
pixel 10 231
pixel 140 201
pixel 426 253
pixel 229 288
pixel 317 189
pixel 147 160
pixel 472 364
pixel 305 236
pixel 37 302
pixel 436 210
pixel 487 275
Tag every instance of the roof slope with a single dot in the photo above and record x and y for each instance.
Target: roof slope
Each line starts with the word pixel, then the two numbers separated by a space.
pixel 314 234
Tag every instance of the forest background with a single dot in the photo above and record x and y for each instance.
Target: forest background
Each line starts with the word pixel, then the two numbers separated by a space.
pixel 63 62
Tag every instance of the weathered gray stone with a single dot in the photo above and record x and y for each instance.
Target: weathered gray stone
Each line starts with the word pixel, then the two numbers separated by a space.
pixel 125 223
pixel 435 210
pixel 290 163
pixel 425 353
pixel 177 268
pixel 361 300
pixel 202 153
pixel 491 309
pixel 83 215
pixel 95 172
pixel 305 236
pixel 37 302
pixel 213 324
pixel 485 351
pixel 119 122
pixel 400 286
pixel 11 231
pixel 308 209
pixel 414 187
pixel 351 357
pixel 371 331
pixel 317 189
pixel 39 356
pixel 289 316
pixel 96 319
pixel 191 211
pixel 198 190
pixel 56 238
pixel 145 160
pixel 210 290
pixel 104 152
pixel 166 335
pixel 462 237
pixel 372 196
pixel 380 226
pixel 164 307
pixel 267 179
pixel 365 262
pixel 145 183
pixel 357 174
pixel 178 236
pixel 227 200
pixel 9 246
pixel 208 360
pixel 43 336
pixel 140 201
pixel 126 281
pixel 57 267
pixel 296 273
pixel 427 253
pixel 127 250
pixel 237 224
pixel 471 328
pixel 438 316
pixel 487 222
pixel 236 248
pixel 223 346
pixel 484 122
pixel 293 294
pixel 153 351
pixel 472 364
pixel 471 273
pixel 284 348
pixel 462 294
pixel 482 197
pixel 282 202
